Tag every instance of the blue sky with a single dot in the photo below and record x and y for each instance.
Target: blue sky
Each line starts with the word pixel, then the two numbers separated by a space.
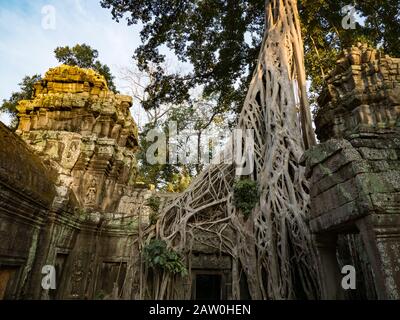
pixel 27 48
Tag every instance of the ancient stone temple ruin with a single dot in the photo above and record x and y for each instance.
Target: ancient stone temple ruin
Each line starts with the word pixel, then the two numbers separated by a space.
pixel 355 175
pixel 68 192
pixel 70 197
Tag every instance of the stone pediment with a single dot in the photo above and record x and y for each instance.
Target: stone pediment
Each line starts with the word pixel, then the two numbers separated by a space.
pixel 86 133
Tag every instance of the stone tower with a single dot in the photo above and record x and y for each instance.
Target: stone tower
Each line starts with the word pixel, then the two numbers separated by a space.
pixel 68 192
pixel 85 132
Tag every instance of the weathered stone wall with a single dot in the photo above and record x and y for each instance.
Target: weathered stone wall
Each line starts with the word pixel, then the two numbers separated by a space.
pixel 68 192
pixel 355 172
pixel 26 195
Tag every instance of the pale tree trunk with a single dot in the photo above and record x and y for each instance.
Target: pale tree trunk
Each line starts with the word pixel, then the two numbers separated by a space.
pixel 282 236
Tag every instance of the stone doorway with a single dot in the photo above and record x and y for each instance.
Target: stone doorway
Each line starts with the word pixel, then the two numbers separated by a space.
pixel 209 285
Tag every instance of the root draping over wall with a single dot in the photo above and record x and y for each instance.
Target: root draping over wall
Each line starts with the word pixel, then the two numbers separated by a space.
pixel 272 247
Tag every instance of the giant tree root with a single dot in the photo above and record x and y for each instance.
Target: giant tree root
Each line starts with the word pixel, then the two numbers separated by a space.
pixel 272 247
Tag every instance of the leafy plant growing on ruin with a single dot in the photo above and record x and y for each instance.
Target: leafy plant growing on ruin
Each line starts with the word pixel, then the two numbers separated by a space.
pixel 158 256
pixel 100 295
pixel 245 195
pixel 154 203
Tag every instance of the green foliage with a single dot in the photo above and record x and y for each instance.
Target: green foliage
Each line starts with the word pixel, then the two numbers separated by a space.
pixel 158 256
pixel 84 56
pixel 201 117
pixel 83 214
pixel 324 36
pixel 156 174
pixel 210 34
pixel 154 203
pixel 26 91
pixel 153 218
pixel 245 195
pixel 100 295
pixel 222 38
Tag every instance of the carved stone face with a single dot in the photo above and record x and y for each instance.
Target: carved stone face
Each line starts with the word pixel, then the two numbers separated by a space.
pixel 125 109
pixel 94 183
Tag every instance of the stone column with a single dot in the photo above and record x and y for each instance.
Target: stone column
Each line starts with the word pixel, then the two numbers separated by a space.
pixel 355 171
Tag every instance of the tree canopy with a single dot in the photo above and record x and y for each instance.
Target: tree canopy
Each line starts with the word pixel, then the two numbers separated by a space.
pixel 25 92
pixel 195 121
pixel 222 38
